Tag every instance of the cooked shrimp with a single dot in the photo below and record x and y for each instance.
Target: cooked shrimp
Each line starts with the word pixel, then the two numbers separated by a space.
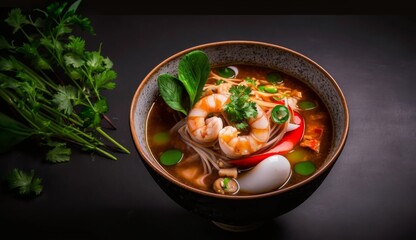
pixel 234 145
pixel 202 129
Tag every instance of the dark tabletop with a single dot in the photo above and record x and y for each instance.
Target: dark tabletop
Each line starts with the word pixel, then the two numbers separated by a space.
pixel 369 194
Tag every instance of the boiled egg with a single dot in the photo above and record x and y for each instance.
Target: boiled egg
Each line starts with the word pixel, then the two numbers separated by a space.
pixel 270 174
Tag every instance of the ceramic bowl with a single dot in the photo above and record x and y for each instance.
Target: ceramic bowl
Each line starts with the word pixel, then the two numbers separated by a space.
pixel 230 212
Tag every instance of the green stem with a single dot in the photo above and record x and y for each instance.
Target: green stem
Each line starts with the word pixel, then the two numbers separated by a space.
pixel 78 140
pixel 27 36
pixel 91 79
pixel 53 111
pixel 106 153
pixel 48 121
pixel 8 97
pixel 92 147
pixel 112 140
pixel 59 129
pixel 86 97
pixel 55 128
pixel 34 75
pixel 84 143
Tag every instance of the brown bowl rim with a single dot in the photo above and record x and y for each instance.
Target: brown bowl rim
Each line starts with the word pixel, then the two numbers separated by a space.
pixel 170 178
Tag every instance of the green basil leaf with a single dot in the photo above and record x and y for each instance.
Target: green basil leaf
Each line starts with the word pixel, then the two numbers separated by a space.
pixel 193 72
pixel 171 89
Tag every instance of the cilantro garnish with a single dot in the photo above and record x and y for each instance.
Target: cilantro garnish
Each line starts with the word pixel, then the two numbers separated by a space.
pixel 240 108
pixel 250 81
pixel 225 183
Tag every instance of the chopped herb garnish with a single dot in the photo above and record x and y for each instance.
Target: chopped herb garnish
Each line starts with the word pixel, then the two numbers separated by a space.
pixel 250 81
pixel 225 183
pixel 218 82
pixel 240 108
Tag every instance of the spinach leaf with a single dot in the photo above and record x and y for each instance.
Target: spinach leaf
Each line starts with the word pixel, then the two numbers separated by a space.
pixel 171 91
pixel 193 72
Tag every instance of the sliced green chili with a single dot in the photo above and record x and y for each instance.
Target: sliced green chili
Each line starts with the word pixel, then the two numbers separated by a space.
pixel 306 105
pixel 226 72
pixel 280 114
pixel 270 89
pixel 274 78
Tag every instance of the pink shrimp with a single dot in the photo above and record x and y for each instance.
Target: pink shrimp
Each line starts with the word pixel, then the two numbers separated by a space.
pixel 202 129
pixel 235 145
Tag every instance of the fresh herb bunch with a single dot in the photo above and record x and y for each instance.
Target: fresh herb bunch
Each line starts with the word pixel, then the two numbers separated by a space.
pixel 53 85
pixel 240 108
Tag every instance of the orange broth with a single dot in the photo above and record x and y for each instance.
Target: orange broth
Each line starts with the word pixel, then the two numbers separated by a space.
pixel 161 118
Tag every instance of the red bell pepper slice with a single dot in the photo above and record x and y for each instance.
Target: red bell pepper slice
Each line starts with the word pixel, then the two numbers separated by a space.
pixel 286 144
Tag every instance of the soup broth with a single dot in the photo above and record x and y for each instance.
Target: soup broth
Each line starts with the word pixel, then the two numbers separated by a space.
pixel 269 88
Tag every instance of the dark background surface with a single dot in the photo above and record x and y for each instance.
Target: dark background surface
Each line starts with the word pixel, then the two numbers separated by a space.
pixel 369 194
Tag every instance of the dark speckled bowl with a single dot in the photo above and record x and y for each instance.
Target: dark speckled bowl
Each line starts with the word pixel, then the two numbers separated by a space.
pixel 238 213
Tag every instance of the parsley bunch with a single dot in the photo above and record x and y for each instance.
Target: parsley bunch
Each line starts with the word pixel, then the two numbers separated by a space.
pixel 240 108
pixel 53 85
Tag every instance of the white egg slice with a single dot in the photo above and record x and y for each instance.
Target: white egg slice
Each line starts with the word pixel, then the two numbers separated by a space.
pixel 268 175
pixel 235 69
pixel 291 127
